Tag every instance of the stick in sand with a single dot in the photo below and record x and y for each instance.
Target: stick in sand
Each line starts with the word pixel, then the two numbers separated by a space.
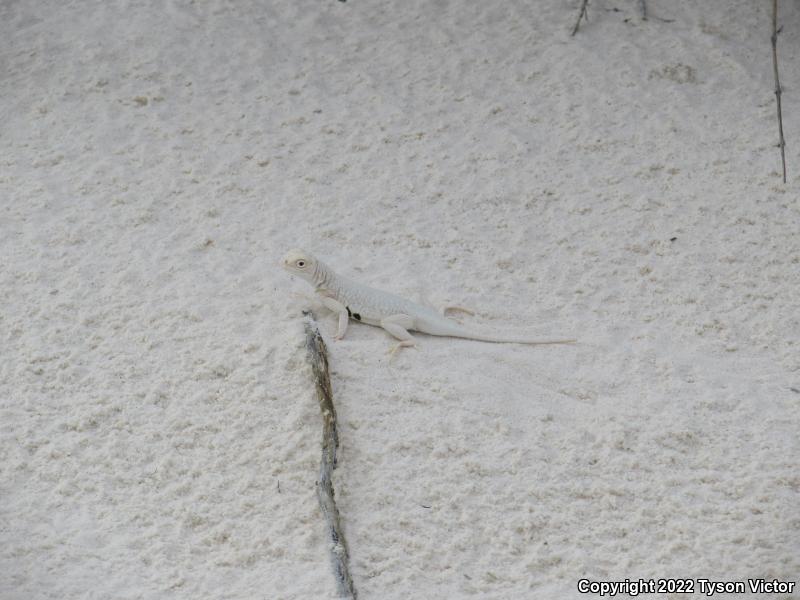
pixel 778 91
pixel 581 15
pixel 317 355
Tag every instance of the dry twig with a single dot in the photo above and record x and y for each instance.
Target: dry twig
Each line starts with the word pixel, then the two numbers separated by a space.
pixel 318 357
pixel 778 91
pixel 581 15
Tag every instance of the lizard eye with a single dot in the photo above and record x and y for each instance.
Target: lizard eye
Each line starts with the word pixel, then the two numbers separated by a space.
pixel 301 263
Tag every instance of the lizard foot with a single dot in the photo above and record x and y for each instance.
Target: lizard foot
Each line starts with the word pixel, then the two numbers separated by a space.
pixel 404 344
pixel 305 298
pixel 457 308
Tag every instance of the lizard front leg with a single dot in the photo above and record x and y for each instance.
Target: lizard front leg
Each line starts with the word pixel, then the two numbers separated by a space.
pixel 341 310
pixel 398 326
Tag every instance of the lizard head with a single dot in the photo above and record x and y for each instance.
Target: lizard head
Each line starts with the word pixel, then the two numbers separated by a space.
pixel 300 263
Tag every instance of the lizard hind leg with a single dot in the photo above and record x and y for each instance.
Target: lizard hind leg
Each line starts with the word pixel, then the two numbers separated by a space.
pixel 447 308
pixel 398 326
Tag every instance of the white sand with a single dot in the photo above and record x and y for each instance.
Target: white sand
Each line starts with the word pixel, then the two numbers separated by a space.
pixel 159 437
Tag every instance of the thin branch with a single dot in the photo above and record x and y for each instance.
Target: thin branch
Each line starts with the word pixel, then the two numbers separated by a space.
pixel 657 18
pixel 318 357
pixel 581 15
pixel 643 9
pixel 778 91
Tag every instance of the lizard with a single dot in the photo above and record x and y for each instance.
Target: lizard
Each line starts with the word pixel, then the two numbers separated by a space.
pixel 396 315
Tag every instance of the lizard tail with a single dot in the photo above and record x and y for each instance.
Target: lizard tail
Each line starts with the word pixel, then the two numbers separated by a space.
pixel 451 329
pixel 515 340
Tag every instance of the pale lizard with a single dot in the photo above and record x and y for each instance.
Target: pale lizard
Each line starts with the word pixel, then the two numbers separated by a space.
pixel 396 315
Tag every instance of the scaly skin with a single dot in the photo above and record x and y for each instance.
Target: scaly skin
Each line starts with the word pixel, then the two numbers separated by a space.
pixel 396 315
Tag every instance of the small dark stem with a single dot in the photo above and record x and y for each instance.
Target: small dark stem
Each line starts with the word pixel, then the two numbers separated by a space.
pixel 581 15
pixel 643 8
pixel 778 91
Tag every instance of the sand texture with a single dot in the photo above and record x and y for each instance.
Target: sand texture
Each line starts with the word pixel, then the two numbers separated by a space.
pixel 159 431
